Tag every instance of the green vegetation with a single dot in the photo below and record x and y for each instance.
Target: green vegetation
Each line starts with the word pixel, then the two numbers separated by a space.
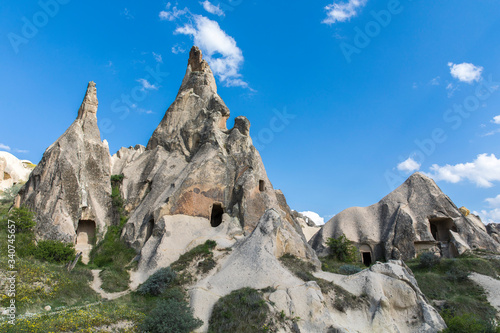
pixel 24 218
pixel 342 249
pixel 170 316
pixel 243 310
pixel 54 251
pixel 201 253
pixel 10 193
pixel 157 283
pixel 466 308
pixel 349 269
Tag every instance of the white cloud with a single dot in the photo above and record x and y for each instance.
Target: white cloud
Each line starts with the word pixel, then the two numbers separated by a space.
pixel 4 147
pixel 21 151
pixel 410 165
pixel 127 14
pixel 314 217
pixel 219 49
pixel 173 14
pixel 341 12
pixel 212 9
pixel 435 81
pixel 484 170
pixel 489 216
pixel 158 57
pixel 176 49
pixel 465 72
pixel 494 202
pixel 146 85
pixel 496 120
pixel 141 110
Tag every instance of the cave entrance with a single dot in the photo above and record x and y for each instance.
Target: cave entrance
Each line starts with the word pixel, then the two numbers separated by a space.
pixel 262 186
pixel 440 228
pixel 216 215
pixel 85 232
pixel 366 258
pixel 149 229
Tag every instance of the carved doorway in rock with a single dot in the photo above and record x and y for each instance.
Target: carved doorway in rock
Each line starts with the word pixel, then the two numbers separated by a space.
pixel 440 230
pixel 85 235
pixel 366 255
pixel 216 214
pixel 149 229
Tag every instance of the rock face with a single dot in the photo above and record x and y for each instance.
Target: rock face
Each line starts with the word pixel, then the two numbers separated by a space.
pixel 70 188
pixel 194 166
pixel 12 170
pixel 387 296
pixel 415 217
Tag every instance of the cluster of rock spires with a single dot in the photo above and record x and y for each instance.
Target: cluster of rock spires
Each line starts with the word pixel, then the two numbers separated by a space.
pixel 197 180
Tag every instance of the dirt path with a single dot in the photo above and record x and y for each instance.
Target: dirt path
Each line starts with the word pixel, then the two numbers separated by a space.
pixel 491 286
pixel 96 286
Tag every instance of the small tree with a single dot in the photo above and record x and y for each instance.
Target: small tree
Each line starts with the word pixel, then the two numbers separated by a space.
pixel 23 218
pixel 170 316
pixel 342 249
pixel 158 282
pixel 55 251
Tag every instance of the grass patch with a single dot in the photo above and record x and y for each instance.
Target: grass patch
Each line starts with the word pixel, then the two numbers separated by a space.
pixel 332 265
pixel 243 310
pixel 201 253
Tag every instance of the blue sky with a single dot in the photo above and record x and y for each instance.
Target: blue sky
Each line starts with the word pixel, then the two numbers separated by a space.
pixel 345 98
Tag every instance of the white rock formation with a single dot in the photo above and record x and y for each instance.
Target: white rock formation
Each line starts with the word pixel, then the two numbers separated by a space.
pixel 12 170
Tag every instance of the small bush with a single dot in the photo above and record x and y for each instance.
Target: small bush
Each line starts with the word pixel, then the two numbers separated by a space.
pixel 243 310
pixel 349 269
pixel 457 274
pixel 55 251
pixel 24 218
pixel 157 283
pixel 429 260
pixel 342 249
pixel 10 193
pixel 466 323
pixel 117 178
pixel 170 316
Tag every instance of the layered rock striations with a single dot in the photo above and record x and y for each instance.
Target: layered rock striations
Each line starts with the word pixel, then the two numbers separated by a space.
pixel 72 181
pixel 417 216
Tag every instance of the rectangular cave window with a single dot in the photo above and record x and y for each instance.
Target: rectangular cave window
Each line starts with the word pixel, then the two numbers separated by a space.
pixel 149 229
pixel 262 186
pixel 367 258
pixel 216 215
pixel 85 232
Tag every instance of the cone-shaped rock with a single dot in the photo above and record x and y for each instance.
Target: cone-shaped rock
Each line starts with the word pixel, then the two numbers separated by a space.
pixel 415 217
pixel 194 166
pixel 72 181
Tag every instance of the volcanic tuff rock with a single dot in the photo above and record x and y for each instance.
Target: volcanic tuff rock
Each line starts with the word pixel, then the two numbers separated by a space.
pixel 194 166
pixel 72 181
pixel 386 298
pixel 416 216
pixel 12 170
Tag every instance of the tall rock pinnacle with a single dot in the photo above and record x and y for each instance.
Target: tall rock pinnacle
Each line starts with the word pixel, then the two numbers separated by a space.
pixel 90 103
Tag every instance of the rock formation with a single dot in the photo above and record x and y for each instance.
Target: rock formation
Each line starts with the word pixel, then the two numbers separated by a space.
pixel 415 217
pixel 387 296
pixel 194 166
pixel 12 170
pixel 69 190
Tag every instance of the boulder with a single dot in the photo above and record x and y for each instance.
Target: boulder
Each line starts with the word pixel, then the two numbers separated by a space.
pixel 71 184
pixel 415 217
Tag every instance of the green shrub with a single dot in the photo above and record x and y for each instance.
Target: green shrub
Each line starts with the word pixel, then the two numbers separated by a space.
pixel 342 249
pixel 203 251
pixel 55 251
pixel 428 260
pixel 243 310
pixel 10 193
pixel 170 316
pixel 457 274
pixel 24 218
pixel 117 178
pixel 349 269
pixel 157 283
pixel 466 323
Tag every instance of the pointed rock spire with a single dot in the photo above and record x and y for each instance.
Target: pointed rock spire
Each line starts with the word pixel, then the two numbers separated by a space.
pixel 90 103
pixel 196 60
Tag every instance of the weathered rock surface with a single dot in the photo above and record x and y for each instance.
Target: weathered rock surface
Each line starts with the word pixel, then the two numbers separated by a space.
pixel 388 295
pixel 12 170
pixel 72 181
pixel 493 230
pixel 309 228
pixel 194 166
pixel 417 216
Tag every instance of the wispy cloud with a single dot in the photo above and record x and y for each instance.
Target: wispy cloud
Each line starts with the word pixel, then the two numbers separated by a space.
pixel 465 72
pixel 211 8
pixel 220 50
pixel 409 165
pixel 341 12
pixel 127 14
pixel 146 85
pixel 484 170
pixel 172 15
pixel 435 81
pixel 158 57
pixel 176 49
pixel 4 147
pixel 21 151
